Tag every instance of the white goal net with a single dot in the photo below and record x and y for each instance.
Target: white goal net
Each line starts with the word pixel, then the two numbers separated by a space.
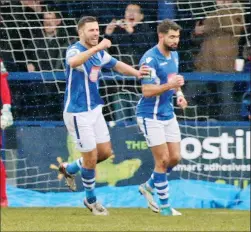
pixel 31 45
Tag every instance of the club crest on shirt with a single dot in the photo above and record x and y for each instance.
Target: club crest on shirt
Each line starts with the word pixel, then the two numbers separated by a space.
pixel 94 73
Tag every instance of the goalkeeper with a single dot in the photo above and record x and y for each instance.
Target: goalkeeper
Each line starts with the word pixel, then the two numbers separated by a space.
pixel 6 121
pixel 155 113
pixel 83 105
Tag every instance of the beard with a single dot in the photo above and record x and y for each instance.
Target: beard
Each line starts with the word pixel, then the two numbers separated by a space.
pixel 169 48
pixel 91 43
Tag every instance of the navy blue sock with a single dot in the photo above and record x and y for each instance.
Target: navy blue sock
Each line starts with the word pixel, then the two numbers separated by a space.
pixel 168 170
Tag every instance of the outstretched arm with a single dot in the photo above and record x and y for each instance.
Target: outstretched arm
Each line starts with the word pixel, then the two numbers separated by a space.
pixel 126 69
pixel 82 57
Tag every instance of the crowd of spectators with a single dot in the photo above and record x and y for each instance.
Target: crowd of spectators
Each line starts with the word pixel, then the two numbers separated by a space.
pixel 36 33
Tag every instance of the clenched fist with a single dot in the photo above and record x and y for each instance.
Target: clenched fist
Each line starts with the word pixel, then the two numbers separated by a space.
pixel 105 43
pixel 176 81
pixel 182 102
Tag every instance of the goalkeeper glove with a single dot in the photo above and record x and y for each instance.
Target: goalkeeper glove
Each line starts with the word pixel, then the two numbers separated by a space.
pixel 6 117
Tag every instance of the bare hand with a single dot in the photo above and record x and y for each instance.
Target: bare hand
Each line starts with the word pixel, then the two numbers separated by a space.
pixel 111 27
pixel 176 81
pixel 199 29
pixel 182 102
pixel 31 68
pixel 129 27
pixel 144 71
pixel 121 23
pixel 105 43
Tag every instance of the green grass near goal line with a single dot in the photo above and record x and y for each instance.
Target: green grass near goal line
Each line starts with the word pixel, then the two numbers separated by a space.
pixel 80 219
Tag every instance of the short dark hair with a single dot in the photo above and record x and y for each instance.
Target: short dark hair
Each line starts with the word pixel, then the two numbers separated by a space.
pixel 52 10
pixel 167 25
pixel 57 15
pixel 86 19
pixel 136 4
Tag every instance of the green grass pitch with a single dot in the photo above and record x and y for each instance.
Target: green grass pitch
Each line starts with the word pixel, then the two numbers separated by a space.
pixel 80 219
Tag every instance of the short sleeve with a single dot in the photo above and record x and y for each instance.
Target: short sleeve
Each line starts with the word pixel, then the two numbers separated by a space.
pixel 71 52
pixel 151 63
pixel 108 61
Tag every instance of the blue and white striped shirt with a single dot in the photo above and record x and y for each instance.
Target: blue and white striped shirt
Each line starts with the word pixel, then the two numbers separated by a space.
pixel 158 107
pixel 81 92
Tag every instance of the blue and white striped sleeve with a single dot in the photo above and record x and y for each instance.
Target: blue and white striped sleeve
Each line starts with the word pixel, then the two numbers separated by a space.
pixel 72 51
pixel 151 63
pixel 108 61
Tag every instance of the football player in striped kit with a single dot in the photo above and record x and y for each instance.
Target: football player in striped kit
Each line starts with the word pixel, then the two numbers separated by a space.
pixel 155 113
pixel 83 105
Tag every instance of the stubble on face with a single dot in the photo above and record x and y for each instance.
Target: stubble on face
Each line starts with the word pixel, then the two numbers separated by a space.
pixel 90 34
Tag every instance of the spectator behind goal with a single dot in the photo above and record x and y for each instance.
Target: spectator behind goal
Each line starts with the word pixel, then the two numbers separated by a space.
pixel 219 47
pixel 132 36
pixel 21 21
pixel 218 37
pixel 46 51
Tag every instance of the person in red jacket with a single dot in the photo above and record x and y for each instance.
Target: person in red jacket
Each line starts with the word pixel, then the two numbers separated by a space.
pixel 6 121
